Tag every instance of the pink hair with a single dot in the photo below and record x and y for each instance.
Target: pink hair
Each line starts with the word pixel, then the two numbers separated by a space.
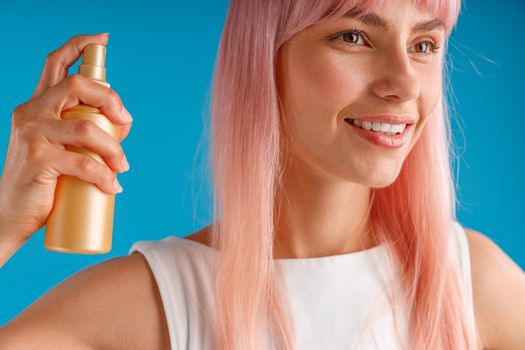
pixel 413 214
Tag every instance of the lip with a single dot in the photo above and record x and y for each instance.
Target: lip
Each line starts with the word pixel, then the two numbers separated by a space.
pixel 385 141
pixel 387 118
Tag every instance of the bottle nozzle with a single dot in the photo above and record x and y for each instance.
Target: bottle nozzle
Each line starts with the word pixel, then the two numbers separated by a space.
pixel 93 60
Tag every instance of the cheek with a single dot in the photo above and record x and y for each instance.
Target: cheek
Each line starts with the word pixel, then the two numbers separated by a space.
pixel 431 86
pixel 320 82
pixel 318 85
pixel 430 97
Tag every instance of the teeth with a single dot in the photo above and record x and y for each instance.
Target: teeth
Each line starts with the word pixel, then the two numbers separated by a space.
pixel 398 128
pixel 383 128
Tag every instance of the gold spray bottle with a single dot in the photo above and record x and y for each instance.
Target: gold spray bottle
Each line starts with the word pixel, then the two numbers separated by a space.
pixel 81 220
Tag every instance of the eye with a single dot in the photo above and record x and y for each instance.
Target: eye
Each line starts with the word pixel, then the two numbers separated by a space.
pixel 351 34
pixel 434 49
pixel 428 47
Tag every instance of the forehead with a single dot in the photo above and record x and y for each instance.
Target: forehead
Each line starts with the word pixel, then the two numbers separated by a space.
pixel 375 20
pixel 384 14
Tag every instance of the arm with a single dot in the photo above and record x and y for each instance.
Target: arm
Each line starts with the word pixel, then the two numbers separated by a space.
pixel 498 285
pixel 9 244
pixel 111 305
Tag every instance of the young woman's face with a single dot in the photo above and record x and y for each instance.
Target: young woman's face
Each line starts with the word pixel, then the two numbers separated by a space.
pixel 325 76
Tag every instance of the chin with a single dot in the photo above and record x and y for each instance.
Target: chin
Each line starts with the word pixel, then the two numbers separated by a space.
pixel 381 184
pixel 379 179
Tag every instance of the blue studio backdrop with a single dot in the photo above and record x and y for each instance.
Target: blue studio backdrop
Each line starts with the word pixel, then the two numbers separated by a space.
pixel 160 58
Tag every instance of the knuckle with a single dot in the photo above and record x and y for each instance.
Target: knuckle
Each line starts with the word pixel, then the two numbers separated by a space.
pixel 105 178
pixel 73 40
pixel 114 97
pixel 77 37
pixel 36 154
pixel 86 164
pixel 110 177
pixel 84 128
pixel 28 130
pixel 18 114
pixel 51 57
pixel 74 81
pixel 118 154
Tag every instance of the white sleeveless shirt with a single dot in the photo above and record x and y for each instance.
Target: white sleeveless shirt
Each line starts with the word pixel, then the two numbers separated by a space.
pixel 336 302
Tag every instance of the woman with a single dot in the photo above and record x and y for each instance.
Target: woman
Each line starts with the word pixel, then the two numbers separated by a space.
pixel 313 214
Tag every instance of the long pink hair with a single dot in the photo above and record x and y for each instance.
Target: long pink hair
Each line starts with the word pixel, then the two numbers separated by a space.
pixel 413 214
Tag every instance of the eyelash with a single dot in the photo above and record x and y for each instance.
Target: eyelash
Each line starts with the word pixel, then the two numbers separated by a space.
pixel 433 51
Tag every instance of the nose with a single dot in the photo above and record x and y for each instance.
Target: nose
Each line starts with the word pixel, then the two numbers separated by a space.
pixel 396 78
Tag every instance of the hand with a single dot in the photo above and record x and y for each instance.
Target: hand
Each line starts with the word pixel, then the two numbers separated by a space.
pixel 36 155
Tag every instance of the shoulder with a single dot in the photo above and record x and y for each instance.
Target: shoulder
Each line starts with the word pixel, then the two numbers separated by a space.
pixel 498 286
pixel 114 304
pixel 201 236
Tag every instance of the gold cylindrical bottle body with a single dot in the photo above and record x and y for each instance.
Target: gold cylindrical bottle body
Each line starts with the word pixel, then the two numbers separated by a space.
pixel 81 220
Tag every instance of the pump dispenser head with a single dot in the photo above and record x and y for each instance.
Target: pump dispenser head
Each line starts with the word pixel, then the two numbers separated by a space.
pixel 93 60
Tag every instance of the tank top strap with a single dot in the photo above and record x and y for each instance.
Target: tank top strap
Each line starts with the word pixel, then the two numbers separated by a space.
pixel 183 279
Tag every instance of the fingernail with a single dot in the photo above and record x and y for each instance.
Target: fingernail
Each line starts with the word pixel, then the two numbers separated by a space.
pixel 126 114
pixel 107 33
pixel 124 163
pixel 117 186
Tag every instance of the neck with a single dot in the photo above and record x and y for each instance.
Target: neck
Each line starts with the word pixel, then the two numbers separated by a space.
pixel 320 217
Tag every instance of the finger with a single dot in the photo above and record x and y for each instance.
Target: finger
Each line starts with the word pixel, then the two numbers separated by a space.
pixel 77 89
pixel 85 133
pixel 84 167
pixel 58 62
pixel 124 131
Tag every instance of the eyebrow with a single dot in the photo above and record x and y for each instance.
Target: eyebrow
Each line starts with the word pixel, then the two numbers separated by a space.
pixel 373 19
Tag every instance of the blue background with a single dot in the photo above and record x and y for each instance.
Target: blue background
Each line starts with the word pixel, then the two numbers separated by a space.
pixel 160 58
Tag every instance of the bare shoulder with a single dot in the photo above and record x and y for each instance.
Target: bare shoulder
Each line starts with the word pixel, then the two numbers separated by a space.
pixel 202 236
pixel 114 304
pixel 498 286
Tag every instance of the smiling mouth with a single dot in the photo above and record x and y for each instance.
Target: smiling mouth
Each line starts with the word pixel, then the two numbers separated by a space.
pixel 378 127
pixel 378 138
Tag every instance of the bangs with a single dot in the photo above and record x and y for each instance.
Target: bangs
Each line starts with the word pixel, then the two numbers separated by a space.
pixel 304 13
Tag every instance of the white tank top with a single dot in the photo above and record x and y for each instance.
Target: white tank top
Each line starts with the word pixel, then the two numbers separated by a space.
pixel 336 302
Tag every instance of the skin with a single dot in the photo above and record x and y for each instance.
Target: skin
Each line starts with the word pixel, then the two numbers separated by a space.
pixel 332 169
pixel 116 304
